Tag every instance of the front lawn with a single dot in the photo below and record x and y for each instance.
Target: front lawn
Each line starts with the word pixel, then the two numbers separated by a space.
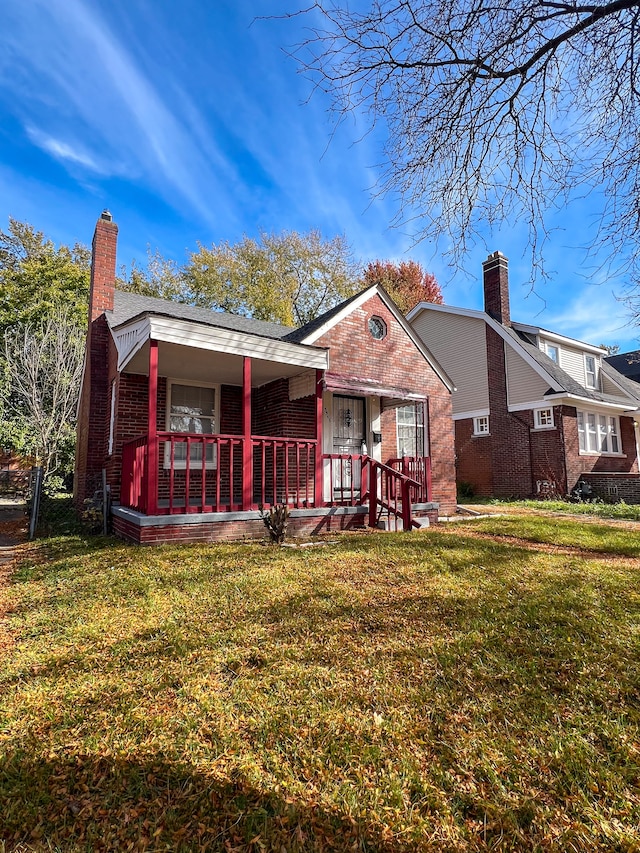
pixel 438 691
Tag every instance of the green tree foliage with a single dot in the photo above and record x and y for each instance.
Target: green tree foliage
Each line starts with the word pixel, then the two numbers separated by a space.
pixel 407 283
pixel 36 277
pixel 287 278
pixel 162 278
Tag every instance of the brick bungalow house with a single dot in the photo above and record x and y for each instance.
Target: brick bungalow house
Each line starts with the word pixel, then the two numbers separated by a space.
pixel 199 417
pixel 535 412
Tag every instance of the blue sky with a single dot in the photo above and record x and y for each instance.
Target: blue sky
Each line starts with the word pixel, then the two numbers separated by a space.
pixel 191 124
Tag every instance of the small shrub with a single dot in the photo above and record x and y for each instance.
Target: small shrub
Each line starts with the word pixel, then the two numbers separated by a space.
pixel 465 490
pixel 276 521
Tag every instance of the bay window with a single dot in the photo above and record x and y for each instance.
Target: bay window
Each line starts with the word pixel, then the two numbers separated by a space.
pixel 598 433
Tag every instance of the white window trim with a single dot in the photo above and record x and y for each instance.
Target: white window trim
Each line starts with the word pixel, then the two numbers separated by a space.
pixel 416 426
pixel 476 425
pixel 547 346
pixel 597 415
pixel 536 418
pixel 181 464
pixel 595 385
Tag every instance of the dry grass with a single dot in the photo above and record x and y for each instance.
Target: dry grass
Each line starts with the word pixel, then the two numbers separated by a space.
pixel 438 691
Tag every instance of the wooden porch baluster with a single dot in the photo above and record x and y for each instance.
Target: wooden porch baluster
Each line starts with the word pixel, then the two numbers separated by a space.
pixel 152 435
pixel 318 495
pixel 247 446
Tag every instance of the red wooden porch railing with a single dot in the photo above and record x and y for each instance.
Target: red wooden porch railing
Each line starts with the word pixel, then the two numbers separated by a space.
pixel 391 492
pixel 418 468
pixel 212 479
pixel 284 471
pixel 132 486
pixel 348 476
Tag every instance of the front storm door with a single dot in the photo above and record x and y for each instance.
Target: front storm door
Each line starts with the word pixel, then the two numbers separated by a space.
pixel 348 438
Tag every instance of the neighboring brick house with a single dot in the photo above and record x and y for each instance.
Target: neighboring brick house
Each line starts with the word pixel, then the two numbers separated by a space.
pixel 198 417
pixel 535 412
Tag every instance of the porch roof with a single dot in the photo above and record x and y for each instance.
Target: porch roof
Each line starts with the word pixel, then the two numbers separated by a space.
pixel 180 337
pixel 392 395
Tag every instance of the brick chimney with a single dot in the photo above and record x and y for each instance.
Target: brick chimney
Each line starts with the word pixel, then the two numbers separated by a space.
pixel 496 287
pixel 103 266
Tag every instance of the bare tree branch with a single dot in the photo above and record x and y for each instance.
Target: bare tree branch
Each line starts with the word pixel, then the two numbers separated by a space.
pixel 44 366
pixel 494 112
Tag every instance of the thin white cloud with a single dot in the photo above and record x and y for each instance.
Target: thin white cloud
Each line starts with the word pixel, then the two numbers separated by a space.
pixel 76 71
pixel 64 151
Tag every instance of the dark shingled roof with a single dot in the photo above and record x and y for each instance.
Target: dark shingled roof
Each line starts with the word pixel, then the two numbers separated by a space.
pixel 298 335
pixel 129 305
pixel 627 363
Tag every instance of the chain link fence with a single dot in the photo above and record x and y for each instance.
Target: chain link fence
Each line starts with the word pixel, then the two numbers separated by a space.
pixel 51 510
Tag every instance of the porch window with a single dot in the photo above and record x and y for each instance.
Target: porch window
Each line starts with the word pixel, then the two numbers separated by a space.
pixel 192 409
pixel 410 430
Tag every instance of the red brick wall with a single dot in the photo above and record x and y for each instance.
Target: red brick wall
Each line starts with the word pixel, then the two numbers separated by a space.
pixel 233 530
pixel 103 267
pixel 94 396
pixel 273 413
pixel 510 445
pixel 473 458
pixel 396 361
pixel 496 287
pixel 547 455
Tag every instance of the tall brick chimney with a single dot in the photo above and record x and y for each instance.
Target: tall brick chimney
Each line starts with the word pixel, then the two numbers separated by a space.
pixel 496 287
pixel 103 266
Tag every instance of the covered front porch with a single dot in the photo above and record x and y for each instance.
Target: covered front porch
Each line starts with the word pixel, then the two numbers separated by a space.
pixel 173 480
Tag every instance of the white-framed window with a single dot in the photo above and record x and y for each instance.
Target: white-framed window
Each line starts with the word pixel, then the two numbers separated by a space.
pixel 553 352
pixel 192 408
pixel 591 376
pixel 543 418
pixel 410 430
pixel 598 433
pixel 481 425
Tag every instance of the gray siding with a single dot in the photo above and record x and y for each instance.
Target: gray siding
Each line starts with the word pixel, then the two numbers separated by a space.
pixel 524 384
pixel 459 344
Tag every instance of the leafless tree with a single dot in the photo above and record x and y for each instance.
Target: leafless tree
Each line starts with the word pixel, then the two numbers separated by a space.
pixel 494 111
pixel 43 365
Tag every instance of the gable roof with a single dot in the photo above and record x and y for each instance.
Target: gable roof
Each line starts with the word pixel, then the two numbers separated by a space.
pixel 128 306
pixel 560 382
pixel 314 330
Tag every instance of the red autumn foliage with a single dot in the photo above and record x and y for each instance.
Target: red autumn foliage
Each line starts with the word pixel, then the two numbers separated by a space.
pixel 407 283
